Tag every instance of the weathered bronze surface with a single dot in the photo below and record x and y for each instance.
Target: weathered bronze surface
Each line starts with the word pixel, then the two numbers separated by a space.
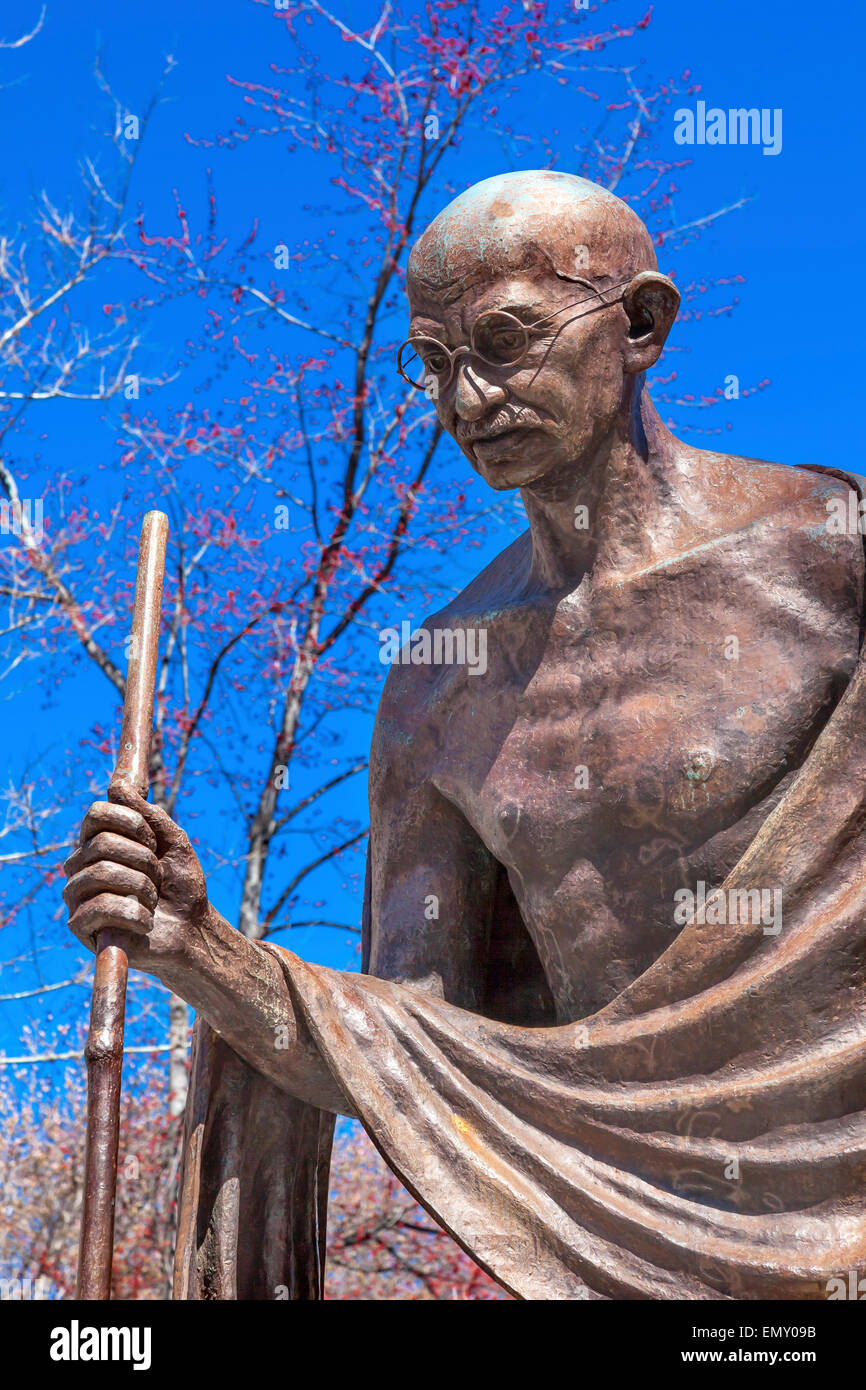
pixel 601 1086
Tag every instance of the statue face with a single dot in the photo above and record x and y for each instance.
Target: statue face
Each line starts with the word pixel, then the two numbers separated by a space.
pixel 517 424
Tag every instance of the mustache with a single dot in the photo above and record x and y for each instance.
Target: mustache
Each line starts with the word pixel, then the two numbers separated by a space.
pixel 500 422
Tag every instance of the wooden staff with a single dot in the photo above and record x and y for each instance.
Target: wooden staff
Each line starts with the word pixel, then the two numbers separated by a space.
pixel 104 1049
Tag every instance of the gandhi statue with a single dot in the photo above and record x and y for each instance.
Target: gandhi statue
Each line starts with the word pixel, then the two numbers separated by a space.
pixel 592 1093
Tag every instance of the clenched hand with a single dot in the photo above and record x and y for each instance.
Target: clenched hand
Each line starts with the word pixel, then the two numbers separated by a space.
pixel 135 870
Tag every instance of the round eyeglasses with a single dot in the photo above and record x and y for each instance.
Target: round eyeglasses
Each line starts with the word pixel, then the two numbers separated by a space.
pixel 497 338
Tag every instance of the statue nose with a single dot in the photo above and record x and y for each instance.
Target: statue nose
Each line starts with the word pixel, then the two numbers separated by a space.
pixel 475 393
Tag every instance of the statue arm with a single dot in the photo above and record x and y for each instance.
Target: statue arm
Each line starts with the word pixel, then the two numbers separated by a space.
pixel 431 887
pixel 431 890
pixel 240 988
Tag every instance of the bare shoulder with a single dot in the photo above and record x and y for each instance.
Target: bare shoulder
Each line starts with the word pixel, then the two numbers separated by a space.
pixel 808 515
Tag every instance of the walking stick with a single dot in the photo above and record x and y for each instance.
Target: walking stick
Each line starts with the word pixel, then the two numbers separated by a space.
pixel 104 1048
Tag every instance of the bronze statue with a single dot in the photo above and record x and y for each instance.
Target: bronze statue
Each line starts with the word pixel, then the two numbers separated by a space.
pixel 611 1031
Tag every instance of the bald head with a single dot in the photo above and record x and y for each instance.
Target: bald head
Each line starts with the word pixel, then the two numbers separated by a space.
pixel 530 221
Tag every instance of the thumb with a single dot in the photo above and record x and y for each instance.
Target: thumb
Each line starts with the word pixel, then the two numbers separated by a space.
pixel 168 835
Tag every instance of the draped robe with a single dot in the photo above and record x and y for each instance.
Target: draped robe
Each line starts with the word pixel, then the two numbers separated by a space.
pixel 703 1136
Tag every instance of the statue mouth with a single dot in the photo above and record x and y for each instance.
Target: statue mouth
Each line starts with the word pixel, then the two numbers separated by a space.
pixel 486 446
pixel 501 433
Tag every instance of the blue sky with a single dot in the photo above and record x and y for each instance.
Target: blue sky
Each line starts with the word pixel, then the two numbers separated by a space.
pixel 796 242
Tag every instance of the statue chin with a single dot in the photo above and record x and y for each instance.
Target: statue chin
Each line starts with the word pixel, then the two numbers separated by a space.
pixel 517 461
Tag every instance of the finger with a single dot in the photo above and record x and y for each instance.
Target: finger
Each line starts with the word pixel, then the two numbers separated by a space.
pixel 119 820
pixel 106 877
pixel 109 910
pixel 105 845
pixel 168 835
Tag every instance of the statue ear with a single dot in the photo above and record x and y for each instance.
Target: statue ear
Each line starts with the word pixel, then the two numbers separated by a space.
pixel 651 302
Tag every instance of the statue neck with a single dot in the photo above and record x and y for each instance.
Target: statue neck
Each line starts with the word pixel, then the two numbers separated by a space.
pixel 610 510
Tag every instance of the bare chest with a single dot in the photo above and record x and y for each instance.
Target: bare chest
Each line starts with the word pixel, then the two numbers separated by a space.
pixel 619 745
